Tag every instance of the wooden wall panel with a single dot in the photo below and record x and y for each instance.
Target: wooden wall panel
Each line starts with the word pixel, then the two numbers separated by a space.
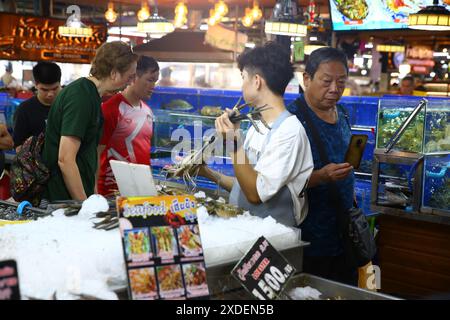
pixel 414 257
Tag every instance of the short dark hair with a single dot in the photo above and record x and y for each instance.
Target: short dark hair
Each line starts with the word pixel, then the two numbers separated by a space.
pixel 272 62
pixel 324 55
pixel 145 64
pixel 408 78
pixel 46 72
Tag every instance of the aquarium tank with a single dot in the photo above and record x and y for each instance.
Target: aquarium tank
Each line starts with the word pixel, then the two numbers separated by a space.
pixel 436 184
pixel 396 183
pixel 428 132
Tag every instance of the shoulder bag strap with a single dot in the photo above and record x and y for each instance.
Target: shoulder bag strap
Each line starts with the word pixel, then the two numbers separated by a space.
pixel 334 192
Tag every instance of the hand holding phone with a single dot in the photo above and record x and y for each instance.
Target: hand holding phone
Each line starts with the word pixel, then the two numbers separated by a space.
pixel 356 149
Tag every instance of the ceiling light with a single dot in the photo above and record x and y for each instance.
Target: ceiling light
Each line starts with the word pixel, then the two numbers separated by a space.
pixel 181 9
pixel 214 17
pixel 256 11
pixel 144 13
pixel 110 14
pixel 247 20
pixel 221 8
pixel 180 15
pixel 74 27
pixel 432 18
pixel 156 26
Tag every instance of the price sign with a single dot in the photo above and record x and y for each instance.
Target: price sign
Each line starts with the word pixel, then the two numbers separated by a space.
pixel 9 281
pixel 263 271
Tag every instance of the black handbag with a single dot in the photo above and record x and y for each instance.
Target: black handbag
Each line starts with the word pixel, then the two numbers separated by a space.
pixel 354 230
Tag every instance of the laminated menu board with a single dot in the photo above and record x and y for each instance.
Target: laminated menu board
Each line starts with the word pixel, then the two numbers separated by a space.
pixel 162 247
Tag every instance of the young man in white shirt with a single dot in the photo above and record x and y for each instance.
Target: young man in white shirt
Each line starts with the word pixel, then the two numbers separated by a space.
pixel 272 168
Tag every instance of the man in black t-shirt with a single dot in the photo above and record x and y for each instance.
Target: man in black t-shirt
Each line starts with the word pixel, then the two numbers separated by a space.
pixel 31 116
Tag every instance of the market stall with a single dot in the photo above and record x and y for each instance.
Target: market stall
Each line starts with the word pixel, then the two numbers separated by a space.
pixel 410 186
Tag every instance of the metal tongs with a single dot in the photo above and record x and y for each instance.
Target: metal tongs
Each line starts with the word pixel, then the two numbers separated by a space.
pixel 401 130
pixel 254 115
pixel 236 116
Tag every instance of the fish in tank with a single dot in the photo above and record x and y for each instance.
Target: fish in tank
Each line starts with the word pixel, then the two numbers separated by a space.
pixel 437 132
pixel 388 123
pixel 436 121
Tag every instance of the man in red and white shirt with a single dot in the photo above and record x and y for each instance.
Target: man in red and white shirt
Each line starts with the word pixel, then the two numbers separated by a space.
pixel 128 125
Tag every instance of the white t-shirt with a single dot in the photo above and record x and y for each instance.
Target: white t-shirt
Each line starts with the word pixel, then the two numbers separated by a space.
pixel 285 160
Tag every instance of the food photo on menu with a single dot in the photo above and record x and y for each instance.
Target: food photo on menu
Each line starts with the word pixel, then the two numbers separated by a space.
pixel 195 279
pixel 170 281
pixel 165 242
pixel 137 245
pixel 353 9
pixel 143 283
pixel 189 240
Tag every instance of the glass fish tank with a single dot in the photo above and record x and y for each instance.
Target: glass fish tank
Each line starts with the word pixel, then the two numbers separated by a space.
pixel 174 133
pixel 427 132
pixel 395 186
pixel 436 184
pixel 362 110
pixel 437 126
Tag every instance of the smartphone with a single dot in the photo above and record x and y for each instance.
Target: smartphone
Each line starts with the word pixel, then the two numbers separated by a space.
pixel 356 149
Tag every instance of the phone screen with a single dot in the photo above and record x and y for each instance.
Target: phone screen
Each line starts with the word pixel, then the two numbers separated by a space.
pixel 356 149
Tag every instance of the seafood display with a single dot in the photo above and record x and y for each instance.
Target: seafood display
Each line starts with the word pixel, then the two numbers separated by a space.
pixel 177 105
pixel 169 278
pixel 189 240
pixel 189 166
pixel 137 244
pixel 165 242
pixel 212 111
pixel 219 207
pixel 8 212
pixel 353 9
pixel 169 191
pixel 143 283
